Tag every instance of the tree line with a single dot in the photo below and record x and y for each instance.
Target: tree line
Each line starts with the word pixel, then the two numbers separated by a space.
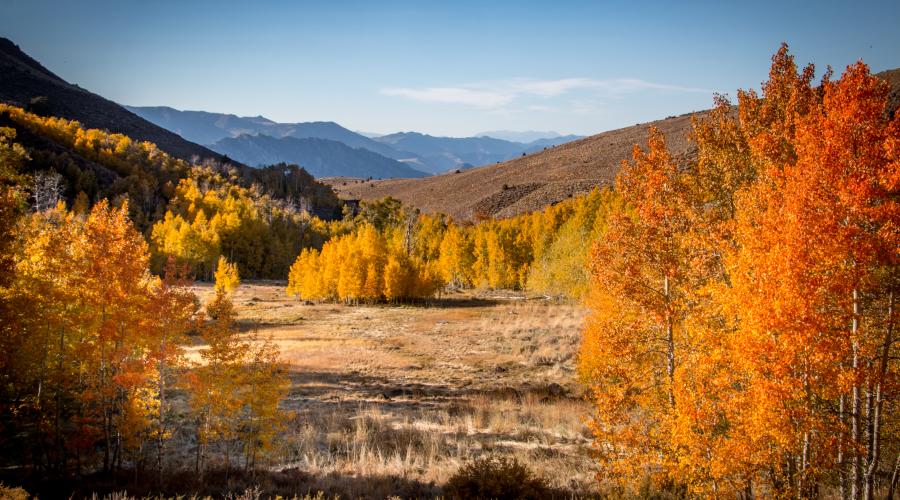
pixel 388 252
pixel 262 219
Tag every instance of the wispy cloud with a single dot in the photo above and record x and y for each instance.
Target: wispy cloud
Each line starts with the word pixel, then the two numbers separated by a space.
pixel 498 94
pixel 454 95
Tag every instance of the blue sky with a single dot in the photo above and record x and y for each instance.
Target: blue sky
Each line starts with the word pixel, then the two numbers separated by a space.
pixel 450 68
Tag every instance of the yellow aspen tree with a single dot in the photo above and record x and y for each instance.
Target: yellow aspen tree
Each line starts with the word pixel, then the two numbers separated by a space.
pixel 42 333
pixel 457 258
pixel 374 249
pixel 264 384
pixel 227 277
pixel 170 316
pixel 352 278
pixel 396 281
pixel 215 401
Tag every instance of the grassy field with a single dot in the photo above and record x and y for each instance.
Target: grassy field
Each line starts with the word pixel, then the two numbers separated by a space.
pixel 392 399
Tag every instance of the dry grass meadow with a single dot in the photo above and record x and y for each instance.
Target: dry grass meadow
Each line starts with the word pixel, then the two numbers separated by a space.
pixel 391 400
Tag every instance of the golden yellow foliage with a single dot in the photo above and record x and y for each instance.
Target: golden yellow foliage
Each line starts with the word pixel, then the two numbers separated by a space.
pixel 227 277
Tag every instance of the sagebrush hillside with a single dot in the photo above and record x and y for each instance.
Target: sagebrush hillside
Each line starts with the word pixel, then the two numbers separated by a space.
pixel 527 183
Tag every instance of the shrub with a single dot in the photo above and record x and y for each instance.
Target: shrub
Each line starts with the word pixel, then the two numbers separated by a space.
pixel 13 493
pixel 497 478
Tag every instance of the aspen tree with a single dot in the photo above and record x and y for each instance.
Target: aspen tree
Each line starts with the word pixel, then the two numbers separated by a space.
pixel 227 277
pixel 635 338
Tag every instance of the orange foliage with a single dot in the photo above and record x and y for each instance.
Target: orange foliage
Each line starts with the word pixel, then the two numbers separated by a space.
pixel 742 336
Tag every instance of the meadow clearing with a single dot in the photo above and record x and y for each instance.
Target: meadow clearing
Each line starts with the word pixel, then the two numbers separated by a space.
pixel 391 400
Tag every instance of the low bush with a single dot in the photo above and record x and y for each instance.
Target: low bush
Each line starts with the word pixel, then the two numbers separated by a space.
pixel 496 478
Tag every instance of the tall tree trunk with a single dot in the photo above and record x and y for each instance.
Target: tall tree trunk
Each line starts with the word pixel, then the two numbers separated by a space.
pixel 161 425
pixel 57 424
pixel 875 421
pixel 670 340
pixel 803 485
pixel 869 436
pixel 895 476
pixel 841 465
pixel 107 417
pixel 199 454
pixel 40 458
pixel 855 407
pixel 105 400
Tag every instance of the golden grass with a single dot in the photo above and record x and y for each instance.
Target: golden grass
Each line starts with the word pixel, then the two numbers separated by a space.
pixel 412 392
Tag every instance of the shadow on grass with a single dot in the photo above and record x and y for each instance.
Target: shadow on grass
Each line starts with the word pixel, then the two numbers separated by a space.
pixel 238 483
pixel 354 389
pixel 220 483
pixel 315 393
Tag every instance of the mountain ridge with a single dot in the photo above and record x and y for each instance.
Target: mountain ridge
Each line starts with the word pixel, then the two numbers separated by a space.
pixel 320 157
pixel 523 136
pixel 26 83
pixel 422 152
pixel 442 154
pixel 208 128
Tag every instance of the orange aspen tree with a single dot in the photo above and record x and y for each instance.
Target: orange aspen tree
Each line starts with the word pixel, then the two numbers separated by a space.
pixel 115 260
pixel 91 335
pixel 634 337
pixel 820 239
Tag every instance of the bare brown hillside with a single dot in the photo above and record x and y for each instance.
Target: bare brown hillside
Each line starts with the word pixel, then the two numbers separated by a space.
pixel 524 184
pixel 540 179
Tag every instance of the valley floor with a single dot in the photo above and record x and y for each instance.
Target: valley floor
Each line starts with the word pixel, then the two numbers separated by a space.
pixel 392 399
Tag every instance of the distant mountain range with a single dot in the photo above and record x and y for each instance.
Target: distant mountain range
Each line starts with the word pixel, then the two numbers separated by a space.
pixel 209 128
pixel 423 154
pixel 519 136
pixel 320 157
pixel 439 154
pixel 325 149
